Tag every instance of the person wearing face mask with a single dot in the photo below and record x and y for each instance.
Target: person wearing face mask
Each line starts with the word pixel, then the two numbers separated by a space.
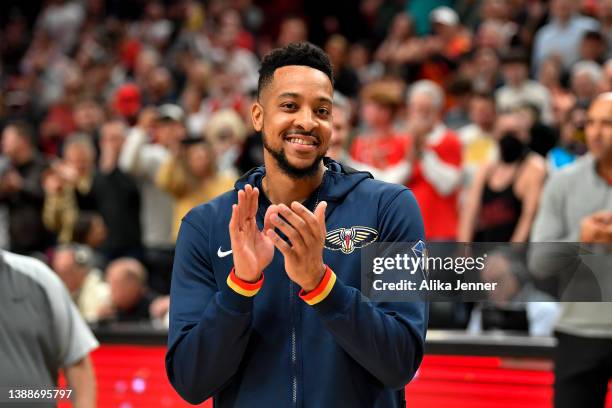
pixel 503 199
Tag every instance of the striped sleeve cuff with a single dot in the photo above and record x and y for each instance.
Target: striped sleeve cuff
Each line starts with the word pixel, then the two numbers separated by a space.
pixel 243 288
pixel 320 292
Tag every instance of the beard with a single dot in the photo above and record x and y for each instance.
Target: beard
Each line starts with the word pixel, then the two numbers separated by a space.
pixel 289 169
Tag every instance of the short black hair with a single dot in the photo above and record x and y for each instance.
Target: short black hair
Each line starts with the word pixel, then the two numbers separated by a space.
pixel 303 53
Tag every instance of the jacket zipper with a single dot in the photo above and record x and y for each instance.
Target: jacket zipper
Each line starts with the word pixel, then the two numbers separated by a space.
pixel 293 349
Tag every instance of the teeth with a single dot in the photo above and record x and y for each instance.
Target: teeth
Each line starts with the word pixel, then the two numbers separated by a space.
pixel 300 141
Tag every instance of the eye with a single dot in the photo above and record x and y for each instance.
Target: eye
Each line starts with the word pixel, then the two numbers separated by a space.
pixel 323 111
pixel 289 106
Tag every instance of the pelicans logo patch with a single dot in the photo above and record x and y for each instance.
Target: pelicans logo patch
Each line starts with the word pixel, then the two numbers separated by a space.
pixel 347 239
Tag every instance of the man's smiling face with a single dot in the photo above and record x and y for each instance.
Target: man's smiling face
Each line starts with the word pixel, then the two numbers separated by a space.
pixel 294 114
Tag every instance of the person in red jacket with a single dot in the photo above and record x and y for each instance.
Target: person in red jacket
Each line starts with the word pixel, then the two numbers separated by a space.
pixel 435 173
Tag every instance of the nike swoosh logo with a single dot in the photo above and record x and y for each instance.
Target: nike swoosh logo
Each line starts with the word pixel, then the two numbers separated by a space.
pixel 223 254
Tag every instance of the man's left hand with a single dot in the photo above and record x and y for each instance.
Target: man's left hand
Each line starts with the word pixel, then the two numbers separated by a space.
pixel 306 232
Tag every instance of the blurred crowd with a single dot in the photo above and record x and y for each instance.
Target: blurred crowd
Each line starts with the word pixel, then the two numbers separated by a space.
pixel 116 118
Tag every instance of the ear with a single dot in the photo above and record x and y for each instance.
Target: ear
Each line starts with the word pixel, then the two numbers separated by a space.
pixel 257 116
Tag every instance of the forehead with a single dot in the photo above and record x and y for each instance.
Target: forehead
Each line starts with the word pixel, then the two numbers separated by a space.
pixel 301 80
pixel 601 107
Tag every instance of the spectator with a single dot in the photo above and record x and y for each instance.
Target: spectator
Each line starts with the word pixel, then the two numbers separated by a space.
pixel 341 129
pixel 21 190
pixel 565 215
pixel 48 335
pixel 503 199
pixel 90 230
pixel 421 12
pixel 593 47
pixel 586 77
pixel 562 35
pixel 159 88
pixel 435 175
pixel 147 147
pixel 293 29
pixel 518 299
pixel 519 89
pixel 459 92
pixel 446 26
pixel 226 132
pixel 380 145
pixel 76 185
pixel 477 139
pixel 550 75
pixel 493 34
pixel 117 196
pixel 224 93
pixel 74 265
pixel 130 296
pixel 68 187
pixel 88 117
pixel 486 76
pixel 192 178
pixel 346 80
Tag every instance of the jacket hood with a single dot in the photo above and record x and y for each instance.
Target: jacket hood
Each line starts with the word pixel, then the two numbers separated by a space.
pixel 338 179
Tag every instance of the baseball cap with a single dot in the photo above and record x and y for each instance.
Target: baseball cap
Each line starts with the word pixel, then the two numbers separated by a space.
pixel 170 112
pixel 444 15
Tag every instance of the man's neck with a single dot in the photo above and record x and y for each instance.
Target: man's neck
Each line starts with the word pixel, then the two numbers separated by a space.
pixel 281 188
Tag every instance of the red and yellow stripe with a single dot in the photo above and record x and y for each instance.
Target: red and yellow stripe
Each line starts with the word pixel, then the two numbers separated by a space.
pixel 244 288
pixel 320 292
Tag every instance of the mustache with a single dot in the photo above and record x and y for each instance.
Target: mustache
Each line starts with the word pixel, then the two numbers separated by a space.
pixel 301 132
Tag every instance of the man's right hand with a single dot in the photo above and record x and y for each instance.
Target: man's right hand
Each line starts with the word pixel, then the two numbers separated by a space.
pixel 597 228
pixel 252 249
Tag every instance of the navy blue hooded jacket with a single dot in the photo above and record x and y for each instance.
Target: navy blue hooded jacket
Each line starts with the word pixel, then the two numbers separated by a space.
pixel 275 350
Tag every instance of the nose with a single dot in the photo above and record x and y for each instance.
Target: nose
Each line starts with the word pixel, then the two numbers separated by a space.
pixel 305 119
